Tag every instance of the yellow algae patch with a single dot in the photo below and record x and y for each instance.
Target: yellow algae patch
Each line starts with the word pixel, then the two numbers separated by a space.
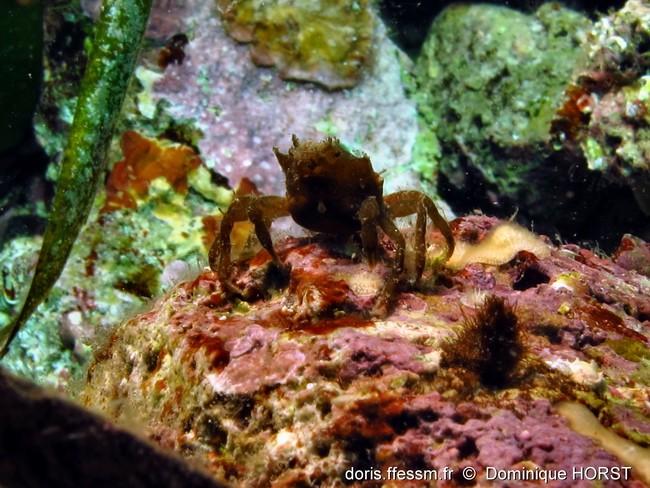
pixel 584 422
pixel 498 247
pixel 199 179
pixel 186 230
pixel 329 42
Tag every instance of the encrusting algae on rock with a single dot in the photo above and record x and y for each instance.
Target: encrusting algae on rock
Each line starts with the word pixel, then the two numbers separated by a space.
pixel 165 217
pixel 327 42
pixel 298 387
pixel 144 161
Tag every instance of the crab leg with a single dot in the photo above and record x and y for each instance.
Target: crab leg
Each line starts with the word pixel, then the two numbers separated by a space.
pixel 262 212
pixel 403 203
pixel 386 294
pixel 368 216
pixel 219 255
pixel 420 240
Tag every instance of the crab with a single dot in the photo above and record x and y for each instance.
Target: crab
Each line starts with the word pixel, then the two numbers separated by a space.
pixel 330 190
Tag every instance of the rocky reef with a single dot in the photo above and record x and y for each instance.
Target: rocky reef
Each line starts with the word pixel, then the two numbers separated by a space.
pixel 188 127
pixel 520 351
pixel 302 388
pixel 542 112
pixel 245 110
pixel 489 81
pixel 604 118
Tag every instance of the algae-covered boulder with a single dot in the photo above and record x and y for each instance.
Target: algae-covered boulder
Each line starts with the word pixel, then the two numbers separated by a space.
pixel 605 117
pixel 301 388
pixel 490 80
pixel 542 113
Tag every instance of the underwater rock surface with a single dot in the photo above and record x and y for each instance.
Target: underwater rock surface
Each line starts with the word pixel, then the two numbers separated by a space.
pixel 76 448
pixel 605 118
pixel 158 207
pixel 544 113
pixel 328 42
pixel 244 110
pixel 301 386
pixel 489 81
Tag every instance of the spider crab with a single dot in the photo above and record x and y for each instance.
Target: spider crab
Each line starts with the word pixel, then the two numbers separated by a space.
pixel 329 190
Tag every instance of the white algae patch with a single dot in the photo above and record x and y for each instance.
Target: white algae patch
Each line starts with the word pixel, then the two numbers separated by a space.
pixel 586 373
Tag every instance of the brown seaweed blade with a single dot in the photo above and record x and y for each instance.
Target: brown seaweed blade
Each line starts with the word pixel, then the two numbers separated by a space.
pixel 117 39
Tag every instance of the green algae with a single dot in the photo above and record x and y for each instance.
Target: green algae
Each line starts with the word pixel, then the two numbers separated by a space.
pixel 630 349
pixel 489 80
pixel 327 42
pixel 117 40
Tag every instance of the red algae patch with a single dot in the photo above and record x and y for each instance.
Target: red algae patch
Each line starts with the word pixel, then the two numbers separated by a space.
pixel 300 385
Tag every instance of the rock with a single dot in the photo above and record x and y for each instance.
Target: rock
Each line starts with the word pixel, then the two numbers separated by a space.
pixel 303 385
pixel 50 441
pixel 633 254
pixel 489 80
pixel 244 111
pixel 545 114
pixel 159 206
pixel 605 117
pixel 329 43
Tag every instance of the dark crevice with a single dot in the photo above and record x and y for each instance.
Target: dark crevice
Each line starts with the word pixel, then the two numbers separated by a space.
pixel 530 278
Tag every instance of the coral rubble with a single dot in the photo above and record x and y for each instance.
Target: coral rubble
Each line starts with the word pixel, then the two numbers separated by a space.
pixel 298 387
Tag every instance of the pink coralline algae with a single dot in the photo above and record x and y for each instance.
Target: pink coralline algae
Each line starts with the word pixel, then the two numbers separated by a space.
pixel 244 110
pixel 300 386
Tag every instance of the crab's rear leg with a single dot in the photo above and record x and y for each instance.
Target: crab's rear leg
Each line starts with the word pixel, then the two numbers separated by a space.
pixel 369 218
pixel 373 214
pixel 383 302
pixel 408 202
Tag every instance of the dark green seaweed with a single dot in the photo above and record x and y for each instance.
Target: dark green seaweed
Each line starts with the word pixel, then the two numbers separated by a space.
pixel 118 34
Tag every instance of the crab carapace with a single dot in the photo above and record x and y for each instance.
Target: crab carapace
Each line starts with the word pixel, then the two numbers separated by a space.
pixel 332 191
